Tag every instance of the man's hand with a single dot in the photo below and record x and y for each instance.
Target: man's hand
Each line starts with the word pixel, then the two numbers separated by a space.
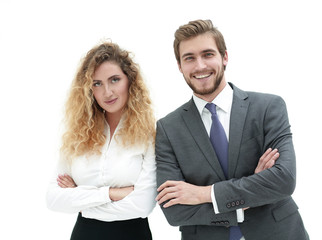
pixel 66 181
pixel 179 192
pixel 267 160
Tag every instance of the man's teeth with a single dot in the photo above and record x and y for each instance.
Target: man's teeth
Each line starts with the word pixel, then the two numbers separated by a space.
pixel 202 76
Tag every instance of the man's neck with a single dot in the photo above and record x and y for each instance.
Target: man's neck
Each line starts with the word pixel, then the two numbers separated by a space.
pixel 211 96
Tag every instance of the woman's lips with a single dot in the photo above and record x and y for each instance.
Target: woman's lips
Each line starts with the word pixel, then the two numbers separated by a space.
pixel 110 102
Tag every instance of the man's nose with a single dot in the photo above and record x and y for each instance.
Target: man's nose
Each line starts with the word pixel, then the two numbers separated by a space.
pixel 200 63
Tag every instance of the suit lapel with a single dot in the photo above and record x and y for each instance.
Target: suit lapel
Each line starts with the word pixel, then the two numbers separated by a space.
pixel 197 129
pixel 237 120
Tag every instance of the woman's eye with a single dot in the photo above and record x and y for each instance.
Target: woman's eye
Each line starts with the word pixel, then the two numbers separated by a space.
pixel 97 84
pixel 114 80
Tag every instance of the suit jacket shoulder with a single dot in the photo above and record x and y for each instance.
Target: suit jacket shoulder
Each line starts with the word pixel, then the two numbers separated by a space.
pixel 175 115
pixel 257 98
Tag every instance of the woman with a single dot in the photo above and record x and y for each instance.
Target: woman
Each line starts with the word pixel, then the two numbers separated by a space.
pixel 107 166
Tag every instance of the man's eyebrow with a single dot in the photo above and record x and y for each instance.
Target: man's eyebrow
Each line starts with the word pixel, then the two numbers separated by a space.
pixel 203 51
pixel 186 54
pixel 209 50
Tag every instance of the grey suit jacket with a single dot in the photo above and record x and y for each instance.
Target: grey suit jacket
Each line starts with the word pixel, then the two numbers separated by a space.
pixel 184 152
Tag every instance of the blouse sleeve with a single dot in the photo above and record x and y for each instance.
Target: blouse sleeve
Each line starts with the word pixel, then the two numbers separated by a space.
pixel 139 203
pixel 73 200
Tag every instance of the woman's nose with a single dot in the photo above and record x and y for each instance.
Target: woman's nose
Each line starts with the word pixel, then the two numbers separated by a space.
pixel 108 91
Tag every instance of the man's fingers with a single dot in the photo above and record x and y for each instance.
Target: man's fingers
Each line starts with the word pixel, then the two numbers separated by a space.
pixel 167 184
pixel 263 159
pixel 272 160
pixel 169 196
pixel 265 154
pixel 271 154
pixel 171 203
pixel 168 191
pixel 267 160
pixel 269 164
pixel 164 192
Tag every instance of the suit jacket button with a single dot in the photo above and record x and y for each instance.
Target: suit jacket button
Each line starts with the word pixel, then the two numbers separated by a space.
pixel 228 205
pixel 233 204
pixel 237 203
pixel 242 202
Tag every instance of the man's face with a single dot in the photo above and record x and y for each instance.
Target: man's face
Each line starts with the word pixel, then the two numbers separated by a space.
pixel 202 65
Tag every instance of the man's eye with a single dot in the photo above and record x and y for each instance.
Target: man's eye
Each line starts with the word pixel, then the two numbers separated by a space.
pixel 188 58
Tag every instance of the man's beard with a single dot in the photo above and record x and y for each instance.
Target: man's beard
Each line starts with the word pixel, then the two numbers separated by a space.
pixel 210 90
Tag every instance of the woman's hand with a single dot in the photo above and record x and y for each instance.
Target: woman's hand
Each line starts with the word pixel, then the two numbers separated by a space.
pixel 65 181
pixel 117 194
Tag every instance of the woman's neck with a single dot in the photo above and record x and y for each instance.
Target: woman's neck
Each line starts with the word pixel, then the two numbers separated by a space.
pixel 112 120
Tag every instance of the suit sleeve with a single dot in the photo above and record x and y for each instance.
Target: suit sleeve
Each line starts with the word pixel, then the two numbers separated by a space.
pixel 270 185
pixel 183 215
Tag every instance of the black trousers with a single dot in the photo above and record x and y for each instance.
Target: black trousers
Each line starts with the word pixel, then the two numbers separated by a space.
pixel 92 229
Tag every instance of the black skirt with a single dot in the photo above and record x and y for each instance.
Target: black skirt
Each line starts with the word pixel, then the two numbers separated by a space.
pixel 92 229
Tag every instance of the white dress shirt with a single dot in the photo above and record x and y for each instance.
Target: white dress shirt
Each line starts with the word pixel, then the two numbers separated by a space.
pixel 117 166
pixel 223 103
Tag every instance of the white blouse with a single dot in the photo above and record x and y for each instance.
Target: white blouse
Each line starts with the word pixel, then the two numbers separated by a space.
pixel 117 166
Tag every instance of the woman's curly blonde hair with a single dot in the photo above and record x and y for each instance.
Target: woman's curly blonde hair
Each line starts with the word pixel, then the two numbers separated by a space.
pixel 84 118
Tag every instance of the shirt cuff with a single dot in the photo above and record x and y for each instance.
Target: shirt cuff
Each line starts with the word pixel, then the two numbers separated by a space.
pixel 240 215
pixel 213 199
pixel 239 212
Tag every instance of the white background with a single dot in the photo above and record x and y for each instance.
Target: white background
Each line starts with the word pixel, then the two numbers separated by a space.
pixel 273 46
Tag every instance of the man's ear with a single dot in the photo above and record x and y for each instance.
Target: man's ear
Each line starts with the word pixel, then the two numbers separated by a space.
pixel 179 66
pixel 225 58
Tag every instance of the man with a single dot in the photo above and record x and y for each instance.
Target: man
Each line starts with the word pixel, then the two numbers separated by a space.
pixel 225 192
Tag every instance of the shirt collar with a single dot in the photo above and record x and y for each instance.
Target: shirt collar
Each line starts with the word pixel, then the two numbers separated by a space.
pixel 223 100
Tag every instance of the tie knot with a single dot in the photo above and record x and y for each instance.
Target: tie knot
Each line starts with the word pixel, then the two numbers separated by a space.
pixel 212 108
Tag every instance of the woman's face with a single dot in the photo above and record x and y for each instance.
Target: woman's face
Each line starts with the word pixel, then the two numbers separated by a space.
pixel 111 88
